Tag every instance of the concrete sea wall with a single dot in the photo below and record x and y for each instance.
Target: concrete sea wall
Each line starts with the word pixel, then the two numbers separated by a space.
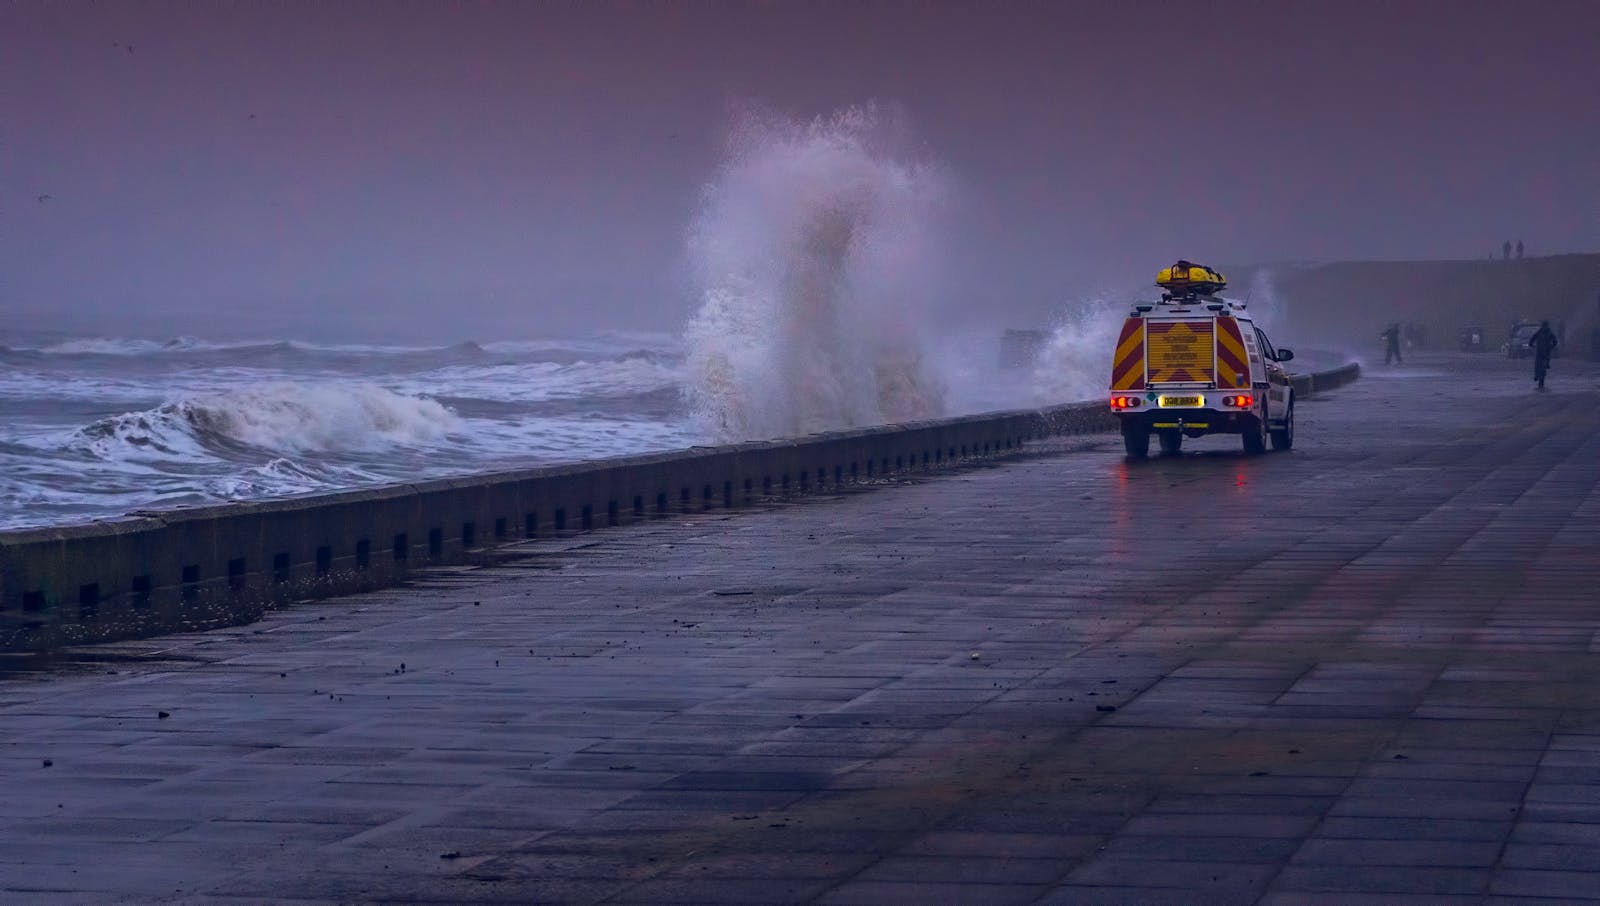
pixel 177 570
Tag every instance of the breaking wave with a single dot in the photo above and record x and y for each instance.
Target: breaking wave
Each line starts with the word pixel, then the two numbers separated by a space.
pixel 124 346
pixel 280 417
pixel 808 254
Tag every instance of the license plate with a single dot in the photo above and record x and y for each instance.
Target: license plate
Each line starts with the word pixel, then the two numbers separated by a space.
pixel 1168 402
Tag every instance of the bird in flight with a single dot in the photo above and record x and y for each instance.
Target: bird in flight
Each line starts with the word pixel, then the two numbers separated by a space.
pixel 45 198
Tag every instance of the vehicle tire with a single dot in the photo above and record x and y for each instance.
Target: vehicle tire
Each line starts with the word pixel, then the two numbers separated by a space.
pixel 1255 436
pixel 1171 442
pixel 1136 440
pixel 1283 438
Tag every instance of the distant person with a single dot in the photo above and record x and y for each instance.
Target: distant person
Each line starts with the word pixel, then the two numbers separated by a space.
pixel 1505 250
pixel 1391 344
pixel 1543 343
pixel 1519 249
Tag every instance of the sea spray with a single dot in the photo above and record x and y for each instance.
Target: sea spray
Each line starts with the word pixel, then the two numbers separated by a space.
pixel 1075 363
pixel 811 251
pixel 1266 307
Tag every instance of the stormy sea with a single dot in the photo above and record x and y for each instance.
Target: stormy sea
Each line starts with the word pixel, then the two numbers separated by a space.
pixel 92 427
pixel 815 256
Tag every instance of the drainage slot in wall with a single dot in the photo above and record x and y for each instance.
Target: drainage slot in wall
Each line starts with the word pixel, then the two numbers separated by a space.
pixel 586 517
pixel 638 506
pixel 500 527
pixel 236 574
pixel 280 568
pixel 661 504
pixel 363 554
pixel 141 591
pixel 89 601
pixel 401 547
pixel 324 560
pixel 469 535
pixel 33 601
pixel 561 520
pixel 727 493
pixel 613 514
pixel 191 581
pixel 530 525
pixel 435 543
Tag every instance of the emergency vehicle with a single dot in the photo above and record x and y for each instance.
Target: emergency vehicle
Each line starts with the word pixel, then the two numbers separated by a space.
pixel 1195 364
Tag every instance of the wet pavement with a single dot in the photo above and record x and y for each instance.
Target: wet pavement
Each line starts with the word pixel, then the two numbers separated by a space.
pixel 1368 668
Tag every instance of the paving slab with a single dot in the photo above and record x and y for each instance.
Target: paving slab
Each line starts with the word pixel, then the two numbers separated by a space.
pixel 1367 670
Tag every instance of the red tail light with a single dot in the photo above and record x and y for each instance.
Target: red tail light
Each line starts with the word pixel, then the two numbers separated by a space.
pixel 1242 402
pixel 1124 402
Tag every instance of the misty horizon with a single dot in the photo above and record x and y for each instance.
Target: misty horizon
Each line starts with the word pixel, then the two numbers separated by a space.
pixel 357 171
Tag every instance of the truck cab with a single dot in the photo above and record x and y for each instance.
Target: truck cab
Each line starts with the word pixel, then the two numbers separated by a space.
pixel 1194 364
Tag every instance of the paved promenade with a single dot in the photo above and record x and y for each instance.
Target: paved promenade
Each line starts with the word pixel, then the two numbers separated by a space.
pixel 1368 668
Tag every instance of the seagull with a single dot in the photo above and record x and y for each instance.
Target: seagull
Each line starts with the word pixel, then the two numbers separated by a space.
pixel 45 198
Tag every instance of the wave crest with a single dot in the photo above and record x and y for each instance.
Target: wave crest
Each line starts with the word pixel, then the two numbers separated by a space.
pixel 280 417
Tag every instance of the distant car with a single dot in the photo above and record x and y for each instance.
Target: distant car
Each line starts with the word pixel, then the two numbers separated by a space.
pixel 1517 346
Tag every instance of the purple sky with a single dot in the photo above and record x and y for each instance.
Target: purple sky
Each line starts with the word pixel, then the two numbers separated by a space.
pixel 534 167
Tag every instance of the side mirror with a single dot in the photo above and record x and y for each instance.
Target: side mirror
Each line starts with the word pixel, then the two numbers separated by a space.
pixel 1285 355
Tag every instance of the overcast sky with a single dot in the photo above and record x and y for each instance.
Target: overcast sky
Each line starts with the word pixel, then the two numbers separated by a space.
pixel 455 169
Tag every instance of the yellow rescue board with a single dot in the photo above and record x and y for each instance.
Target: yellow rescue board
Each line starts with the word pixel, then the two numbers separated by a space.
pixel 1188 276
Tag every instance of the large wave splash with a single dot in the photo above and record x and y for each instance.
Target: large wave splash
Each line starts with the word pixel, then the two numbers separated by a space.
pixel 811 252
pixel 282 417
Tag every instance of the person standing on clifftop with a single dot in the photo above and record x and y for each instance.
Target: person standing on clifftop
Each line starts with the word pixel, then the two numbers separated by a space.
pixel 1543 343
pixel 1391 349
